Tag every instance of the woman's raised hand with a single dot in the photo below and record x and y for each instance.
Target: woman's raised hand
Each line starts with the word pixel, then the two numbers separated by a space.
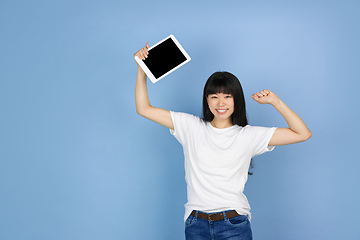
pixel 265 97
pixel 142 102
pixel 297 130
pixel 143 52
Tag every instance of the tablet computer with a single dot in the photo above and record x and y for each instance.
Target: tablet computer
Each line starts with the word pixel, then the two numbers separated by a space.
pixel 164 57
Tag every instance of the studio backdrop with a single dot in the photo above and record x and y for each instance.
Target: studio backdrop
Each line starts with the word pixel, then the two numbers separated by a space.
pixel 77 162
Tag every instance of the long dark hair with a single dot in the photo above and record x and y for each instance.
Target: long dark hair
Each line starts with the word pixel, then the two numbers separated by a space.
pixel 226 83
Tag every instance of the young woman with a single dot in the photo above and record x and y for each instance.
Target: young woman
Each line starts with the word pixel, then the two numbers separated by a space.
pixel 218 149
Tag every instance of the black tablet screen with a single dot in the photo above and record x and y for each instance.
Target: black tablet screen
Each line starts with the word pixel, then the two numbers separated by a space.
pixel 164 57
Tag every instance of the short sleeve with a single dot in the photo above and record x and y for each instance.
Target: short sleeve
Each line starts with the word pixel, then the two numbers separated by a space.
pixel 183 123
pixel 260 138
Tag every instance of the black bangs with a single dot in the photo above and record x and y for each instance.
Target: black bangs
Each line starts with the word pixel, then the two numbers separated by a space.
pixel 218 83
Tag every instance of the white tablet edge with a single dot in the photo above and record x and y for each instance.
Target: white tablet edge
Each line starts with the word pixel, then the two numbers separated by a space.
pixel 148 72
pixel 145 69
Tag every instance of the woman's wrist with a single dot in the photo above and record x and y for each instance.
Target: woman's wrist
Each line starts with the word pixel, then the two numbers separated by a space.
pixel 278 104
pixel 141 74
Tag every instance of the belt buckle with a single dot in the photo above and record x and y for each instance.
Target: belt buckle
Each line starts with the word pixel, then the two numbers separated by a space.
pixel 209 217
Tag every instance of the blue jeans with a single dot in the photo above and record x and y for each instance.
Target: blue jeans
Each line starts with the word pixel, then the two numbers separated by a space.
pixel 236 228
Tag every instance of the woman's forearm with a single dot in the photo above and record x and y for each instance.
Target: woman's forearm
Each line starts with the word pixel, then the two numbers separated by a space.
pixel 141 93
pixel 295 123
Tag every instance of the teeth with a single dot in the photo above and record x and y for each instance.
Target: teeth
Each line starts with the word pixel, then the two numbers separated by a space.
pixel 221 111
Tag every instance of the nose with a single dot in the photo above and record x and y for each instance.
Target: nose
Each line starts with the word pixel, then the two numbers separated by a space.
pixel 221 101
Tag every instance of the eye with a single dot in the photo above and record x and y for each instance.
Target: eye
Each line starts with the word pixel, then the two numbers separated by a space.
pixel 228 96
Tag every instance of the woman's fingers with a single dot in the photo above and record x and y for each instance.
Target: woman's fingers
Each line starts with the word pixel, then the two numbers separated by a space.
pixel 143 52
pixel 266 91
pixel 263 93
pixel 255 96
pixel 264 97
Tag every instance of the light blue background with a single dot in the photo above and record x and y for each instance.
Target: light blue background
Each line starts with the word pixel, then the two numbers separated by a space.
pixel 77 162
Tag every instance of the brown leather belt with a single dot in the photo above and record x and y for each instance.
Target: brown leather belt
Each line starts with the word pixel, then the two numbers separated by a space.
pixel 215 216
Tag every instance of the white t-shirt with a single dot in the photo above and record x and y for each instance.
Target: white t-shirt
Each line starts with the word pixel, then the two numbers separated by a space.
pixel 217 162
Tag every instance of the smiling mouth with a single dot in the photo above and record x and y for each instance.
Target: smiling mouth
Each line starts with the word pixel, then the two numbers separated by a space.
pixel 221 110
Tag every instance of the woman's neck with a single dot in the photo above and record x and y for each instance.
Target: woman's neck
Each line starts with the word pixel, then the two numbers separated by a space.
pixel 217 123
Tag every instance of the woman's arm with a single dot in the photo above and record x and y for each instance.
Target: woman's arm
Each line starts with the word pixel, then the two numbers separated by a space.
pixel 143 106
pixel 297 131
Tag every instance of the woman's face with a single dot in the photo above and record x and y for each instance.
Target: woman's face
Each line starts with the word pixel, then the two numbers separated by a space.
pixel 221 105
